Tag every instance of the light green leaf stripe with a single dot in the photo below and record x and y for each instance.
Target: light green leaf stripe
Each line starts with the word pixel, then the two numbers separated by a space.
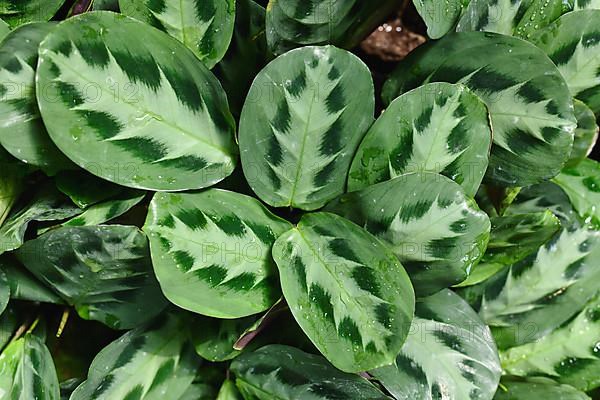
pixel 22 132
pixel 302 121
pixel 582 185
pixel 437 127
pixel 211 252
pixel 530 106
pixel 449 354
pixel 346 290
pixel 104 271
pixel 142 112
pixel 203 26
pixel 573 44
pixel 586 134
pixel 435 230
pixel 18 12
pixel 286 373
pixel 569 354
pixel 27 371
pixel 587 4
pixel 104 212
pixel 145 363
pixel 440 16
pixel 537 388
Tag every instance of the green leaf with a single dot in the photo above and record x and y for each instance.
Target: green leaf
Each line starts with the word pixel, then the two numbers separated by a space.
pixel 573 45
pixel 211 252
pixel 449 354
pixel 47 205
pixel 434 229
pixel 585 4
pixel 286 373
pixel 9 322
pixel 132 111
pixel 229 391
pixel 85 189
pixel 109 5
pixel 199 391
pixel 27 371
pixel 512 238
pixel 586 134
pixel 4 29
pixel 530 106
pixel 437 127
pixel 440 16
pixel 303 119
pixel 544 197
pixel 19 12
pixel 22 132
pixel 104 212
pixel 520 18
pixel 346 290
pixel 203 26
pixel 537 388
pixel 104 271
pixel 568 354
pixel 12 183
pixel 214 338
pixel 582 185
pixel 344 23
pixel 145 363
pixel 4 291
pixel 24 286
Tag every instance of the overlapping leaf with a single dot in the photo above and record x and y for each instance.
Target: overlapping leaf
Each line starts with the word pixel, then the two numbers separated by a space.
pixel 449 354
pixel 440 16
pixel 27 371
pixel 211 252
pixel 346 290
pixel 229 391
pixel 214 339
pixel 203 26
pixel 302 121
pixel 4 290
pixel 108 210
pixel 23 286
pixel 434 229
pixel 18 12
pixel 437 127
pixel 585 4
pixel 586 134
pixel 537 388
pixel 573 44
pixel 85 189
pixel 12 183
pixel 141 112
pixel 286 373
pixel 149 362
pixel 530 106
pixel 104 271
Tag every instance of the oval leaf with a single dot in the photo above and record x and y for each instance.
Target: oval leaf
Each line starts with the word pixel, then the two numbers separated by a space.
pixel 449 354
pixel 437 127
pixel 141 112
pixel 302 121
pixel 530 106
pixel 204 26
pixel 346 289
pixel 440 17
pixel 214 338
pixel 586 134
pixel 537 388
pixel 582 185
pixel 212 252
pixel 436 231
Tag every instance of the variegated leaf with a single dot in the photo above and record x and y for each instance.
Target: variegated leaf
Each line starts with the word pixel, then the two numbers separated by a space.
pixel 586 4
pixel 203 26
pixel 104 271
pixel 437 127
pixel 108 210
pixel 19 12
pixel 211 252
pixel 23 285
pixel 512 238
pixel 4 29
pixel 27 371
pixel 346 290
pixel 570 354
pixel 4 290
pixel 229 391
pixel 84 189
pixel 286 373
pixel 22 132
pixel 149 362
pixel 302 121
pixel 449 354
pixel 199 391
pixel 108 5
pixel 440 16
pixel 537 388
pixel 582 185
pixel 12 183
pixel 343 23
pixel 586 134
pixel 573 44
pixel 142 112
pixel 435 230
pixel 520 18
pixel 544 197
pixel 530 106
pixel 214 338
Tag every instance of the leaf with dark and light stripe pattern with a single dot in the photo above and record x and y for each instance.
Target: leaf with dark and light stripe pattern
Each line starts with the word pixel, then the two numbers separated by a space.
pixel 286 373
pixel 104 271
pixel 103 212
pixel 582 185
pixel 449 354
pixel 142 112
pixel 586 4
pixel 214 338
pixel 149 362
pixel 204 26
pixel 440 16
pixel 437 127
pixel 537 388
pixel 530 106
pixel 211 251
pixel 586 134
pixel 23 285
pixel 302 121
pixel 18 12
pixel 4 290
pixel 435 230
pixel 346 289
